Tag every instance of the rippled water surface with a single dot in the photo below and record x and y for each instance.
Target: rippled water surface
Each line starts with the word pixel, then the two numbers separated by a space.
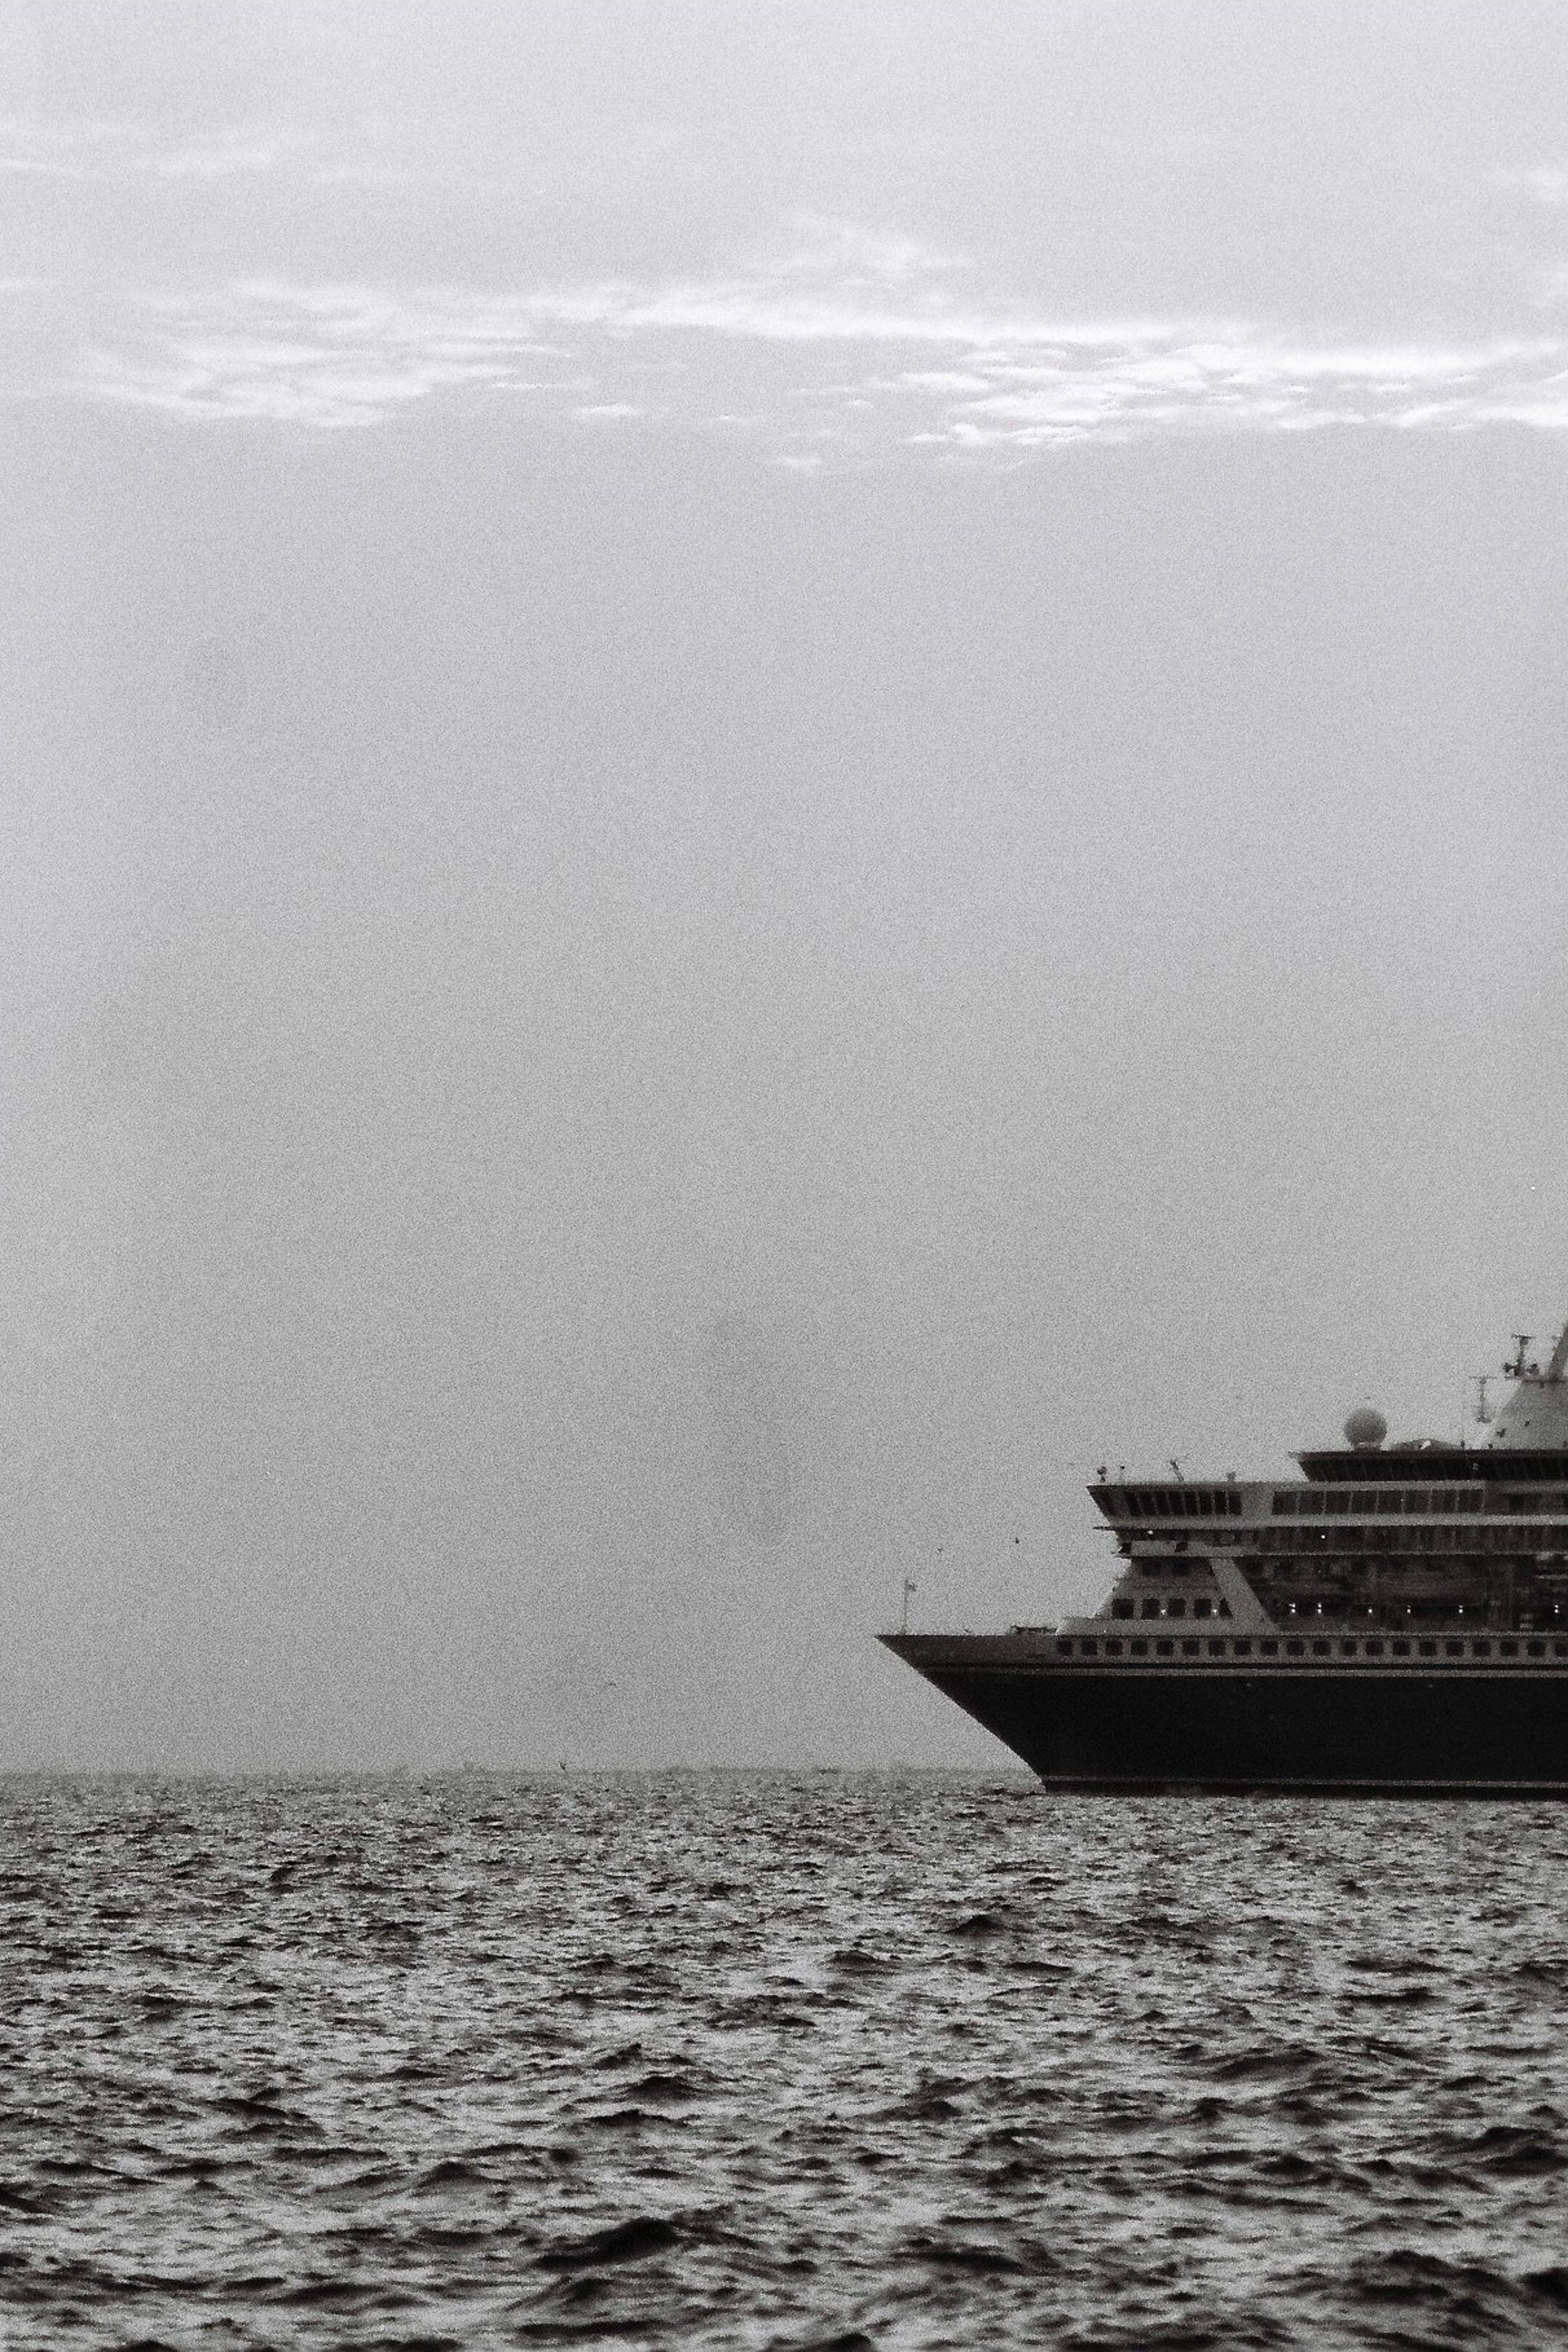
pixel 709 2059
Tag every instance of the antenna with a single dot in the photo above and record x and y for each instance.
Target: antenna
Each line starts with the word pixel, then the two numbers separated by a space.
pixel 1176 1467
pixel 1516 1370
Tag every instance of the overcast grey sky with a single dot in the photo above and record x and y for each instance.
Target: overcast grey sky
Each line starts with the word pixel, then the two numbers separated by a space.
pixel 771 769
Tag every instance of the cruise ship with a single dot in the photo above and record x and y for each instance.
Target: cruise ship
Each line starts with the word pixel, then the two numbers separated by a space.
pixel 1393 1621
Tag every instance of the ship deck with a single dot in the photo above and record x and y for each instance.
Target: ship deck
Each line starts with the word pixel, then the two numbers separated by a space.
pixel 1031 1648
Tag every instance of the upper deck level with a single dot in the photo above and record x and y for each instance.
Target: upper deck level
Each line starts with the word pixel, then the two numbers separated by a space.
pixel 1431 1464
pixel 1449 1486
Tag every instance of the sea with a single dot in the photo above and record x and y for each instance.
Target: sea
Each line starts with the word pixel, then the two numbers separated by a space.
pixel 775 2061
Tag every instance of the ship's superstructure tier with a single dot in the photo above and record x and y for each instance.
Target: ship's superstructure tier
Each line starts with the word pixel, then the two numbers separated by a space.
pixel 1447 1537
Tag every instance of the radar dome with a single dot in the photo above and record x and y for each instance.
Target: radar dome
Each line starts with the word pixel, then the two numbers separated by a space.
pixel 1365 1429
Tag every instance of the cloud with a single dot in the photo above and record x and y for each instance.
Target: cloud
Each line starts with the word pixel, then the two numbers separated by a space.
pixel 338 356
pixel 898 346
pixel 1546 185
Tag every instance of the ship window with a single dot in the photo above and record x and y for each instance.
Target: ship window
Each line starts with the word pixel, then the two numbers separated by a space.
pixel 1365 1498
pixel 1191 1649
pixel 1089 1649
pixel 1121 1609
pixel 1176 1607
pixel 1374 1649
pixel 1469 1498
pixel 1535 1649
pixel 1442 1499
pixel 1244 1649
pixel 1337 1500
pixel 1508 1649
pixel 1114 1649
pixel 1233 1502
pixel 1560 1649
pixel 1064 1649
pixel 1140 1649
pixel 1269 1649
pixel 1481 1649
pixel 1454 1649
pixel 1295 1649
pixel 1400 1649
pixel 1285 1502
pixel 1163 1649
pixel 1319 1649
pixel 1427 1649
pixel 1419 1498
pixel 1148 1609
pixel 1224 1608
pixel 1347 1649
pixel 1310 1503
pixel 1201 1606
pixel 1391 1500
pixel 1216 1649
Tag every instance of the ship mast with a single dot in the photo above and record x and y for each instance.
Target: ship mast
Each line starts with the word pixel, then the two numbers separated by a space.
pixel 1558 1364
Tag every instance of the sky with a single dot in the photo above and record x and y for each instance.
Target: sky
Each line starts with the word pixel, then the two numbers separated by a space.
pixel 773 771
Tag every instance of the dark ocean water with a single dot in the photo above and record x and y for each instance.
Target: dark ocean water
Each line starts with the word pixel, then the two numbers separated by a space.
pixel 768 2060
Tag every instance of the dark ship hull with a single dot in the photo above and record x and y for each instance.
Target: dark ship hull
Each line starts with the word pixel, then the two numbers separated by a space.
pixel 1484 1724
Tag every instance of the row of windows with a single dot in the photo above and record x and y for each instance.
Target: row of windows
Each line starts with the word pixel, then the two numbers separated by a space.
pixel 1426 1612
pixel 1346 1646
pixel 1430 1574
pixel 1315 1541
pixel 1175 1606
pixel 1171 1502
pixel 1388 1502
